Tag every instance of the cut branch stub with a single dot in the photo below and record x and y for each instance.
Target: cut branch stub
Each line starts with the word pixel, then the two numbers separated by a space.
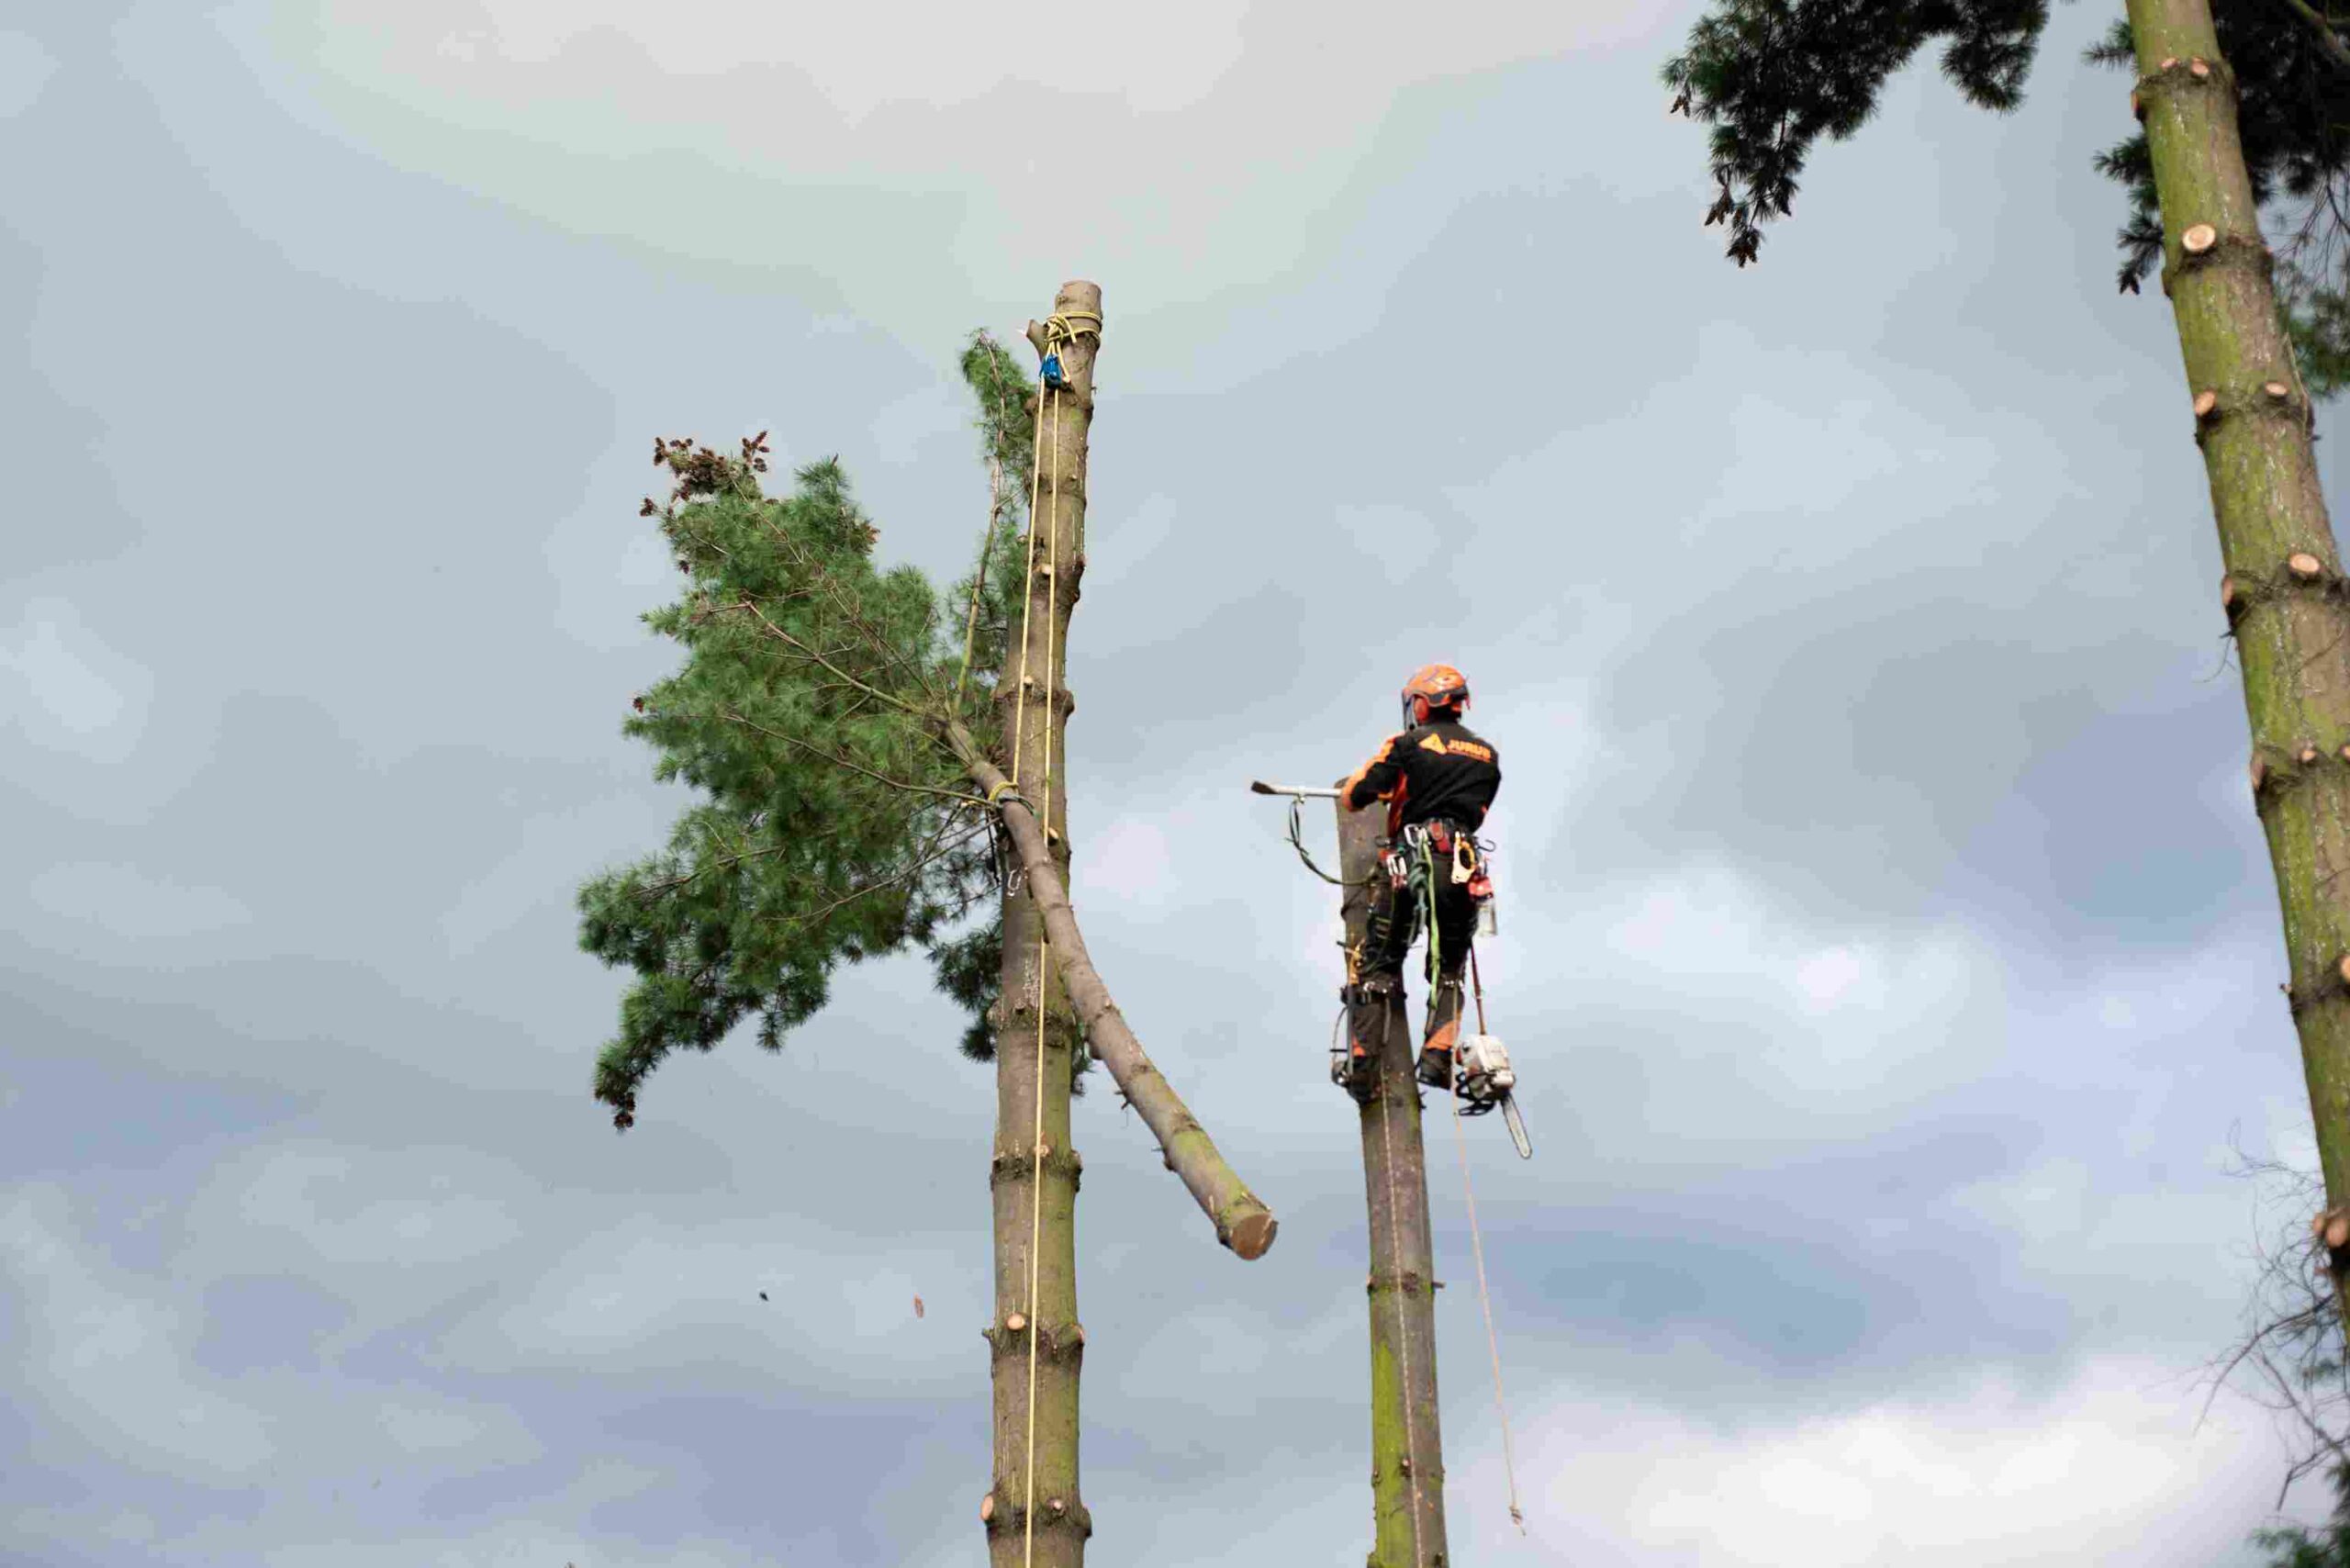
pixel 2199 69
pixel 987 1508
pixel 2228 592
pixel 2343 967
pixel 2304 566
pixel 2170 64
pixel 2207 403
pixel 2309 754
pixel 2331 1227
pixel 2260 773
pixel 2199 238
pixel 2137 106
pixel 2277 391
pixel 1015 1322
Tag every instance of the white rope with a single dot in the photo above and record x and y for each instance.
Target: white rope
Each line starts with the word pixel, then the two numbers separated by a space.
pixel 1485 1300
pixel 1395 1246
pixel 1044 955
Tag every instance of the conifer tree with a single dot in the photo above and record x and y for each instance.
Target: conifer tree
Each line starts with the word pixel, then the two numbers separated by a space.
pixel 847 729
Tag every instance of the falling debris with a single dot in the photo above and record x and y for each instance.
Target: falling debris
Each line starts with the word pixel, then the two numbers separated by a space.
pixel 763 1295
pixel 917 1307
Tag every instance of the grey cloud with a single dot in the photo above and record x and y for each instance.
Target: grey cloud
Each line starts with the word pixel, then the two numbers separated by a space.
pixel 1868 593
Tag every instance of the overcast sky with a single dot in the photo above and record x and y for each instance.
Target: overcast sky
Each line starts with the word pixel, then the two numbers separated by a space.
pixel 1887 938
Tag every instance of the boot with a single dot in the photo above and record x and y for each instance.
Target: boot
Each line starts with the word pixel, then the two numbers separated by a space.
pixel 1435 1067
pixel 1357 1068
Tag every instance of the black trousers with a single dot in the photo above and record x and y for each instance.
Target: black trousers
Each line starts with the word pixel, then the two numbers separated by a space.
pixel 1398 916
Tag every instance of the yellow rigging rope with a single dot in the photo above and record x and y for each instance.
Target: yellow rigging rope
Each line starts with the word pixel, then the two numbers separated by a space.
pixel 1059 327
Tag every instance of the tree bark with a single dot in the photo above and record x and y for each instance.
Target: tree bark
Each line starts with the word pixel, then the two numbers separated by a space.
pixel 2284 593
pixel 1033 1515
pixel 1406 1441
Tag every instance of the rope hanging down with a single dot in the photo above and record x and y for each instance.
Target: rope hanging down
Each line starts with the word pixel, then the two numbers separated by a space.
pixel 1476 1237
pixel 1394 1244
pixel 1477 1248
pixel 1402 1329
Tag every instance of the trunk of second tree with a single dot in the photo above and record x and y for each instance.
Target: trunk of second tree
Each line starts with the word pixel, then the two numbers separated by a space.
pixel 1406 1446
pixel 2285 590
pixel 1032 1514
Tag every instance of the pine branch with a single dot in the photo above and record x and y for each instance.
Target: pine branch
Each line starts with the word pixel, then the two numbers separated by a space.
pixel 959 796
pixel 900 703
pixel 2330 42
pixel 879 644
pixel 903 874
pixel 667 885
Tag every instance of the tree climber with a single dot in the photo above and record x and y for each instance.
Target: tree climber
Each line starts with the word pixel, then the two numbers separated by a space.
pixel 1438 781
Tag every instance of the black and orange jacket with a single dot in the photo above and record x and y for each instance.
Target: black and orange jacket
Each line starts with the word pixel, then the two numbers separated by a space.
pixel 1431 770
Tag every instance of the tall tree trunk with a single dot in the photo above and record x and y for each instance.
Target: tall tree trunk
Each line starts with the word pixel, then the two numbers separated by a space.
pixel 1032 1514
pixel 2285 591
pixel 1406 1444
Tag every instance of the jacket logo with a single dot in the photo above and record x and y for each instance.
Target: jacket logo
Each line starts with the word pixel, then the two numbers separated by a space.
pixel 1443 748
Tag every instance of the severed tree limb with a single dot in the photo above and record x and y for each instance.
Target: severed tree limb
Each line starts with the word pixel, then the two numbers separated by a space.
pixel 1242 1221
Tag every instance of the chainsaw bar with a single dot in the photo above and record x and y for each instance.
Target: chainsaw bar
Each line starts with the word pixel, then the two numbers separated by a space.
pixel 1517 1126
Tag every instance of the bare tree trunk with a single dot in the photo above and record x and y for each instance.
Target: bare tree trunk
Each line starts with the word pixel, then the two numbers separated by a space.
pixel 1033 1515
pixel 2285 590
pixel 1406 1443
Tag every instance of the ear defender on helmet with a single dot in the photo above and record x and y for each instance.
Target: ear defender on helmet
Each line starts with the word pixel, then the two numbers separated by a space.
pixel 1435 689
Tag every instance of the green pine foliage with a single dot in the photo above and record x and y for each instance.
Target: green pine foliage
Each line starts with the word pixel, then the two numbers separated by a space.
pixel 2327 1546
pixel 1772 76
pixel 830 823
pixel 2293 112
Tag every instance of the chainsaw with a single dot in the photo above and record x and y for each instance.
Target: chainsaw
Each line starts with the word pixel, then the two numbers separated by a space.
pixel 1484 1080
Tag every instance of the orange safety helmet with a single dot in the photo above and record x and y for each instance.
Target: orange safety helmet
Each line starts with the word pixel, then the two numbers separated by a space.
pixel 1432 688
